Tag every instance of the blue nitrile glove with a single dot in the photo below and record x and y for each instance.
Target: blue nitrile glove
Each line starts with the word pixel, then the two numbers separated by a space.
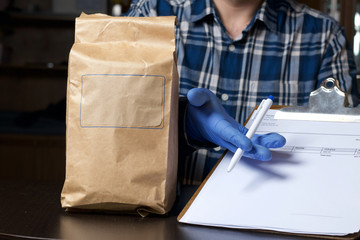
pixel 207 121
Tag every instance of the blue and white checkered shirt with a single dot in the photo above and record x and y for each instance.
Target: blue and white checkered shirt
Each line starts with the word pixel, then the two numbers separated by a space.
pixel 286 51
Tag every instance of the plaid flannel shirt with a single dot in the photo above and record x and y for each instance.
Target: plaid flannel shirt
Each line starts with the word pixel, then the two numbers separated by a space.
pixel 286 51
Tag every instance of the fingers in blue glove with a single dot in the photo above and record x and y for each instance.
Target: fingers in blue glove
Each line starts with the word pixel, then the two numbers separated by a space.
pixel 207 120
pixel 270 140
pixel 198 96
pixel 231 137
pixel 259 152
pixel 261 145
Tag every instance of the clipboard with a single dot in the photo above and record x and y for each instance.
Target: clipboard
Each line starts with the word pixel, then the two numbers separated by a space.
pixel 327 103
pixel 318 106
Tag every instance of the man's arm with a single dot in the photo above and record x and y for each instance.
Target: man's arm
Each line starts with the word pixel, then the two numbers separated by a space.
pixel 338 62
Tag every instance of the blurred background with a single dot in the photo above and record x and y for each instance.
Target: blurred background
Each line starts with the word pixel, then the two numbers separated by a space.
pixel 35 40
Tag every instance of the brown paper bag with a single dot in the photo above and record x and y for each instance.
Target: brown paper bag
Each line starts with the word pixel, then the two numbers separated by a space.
pixel 121 119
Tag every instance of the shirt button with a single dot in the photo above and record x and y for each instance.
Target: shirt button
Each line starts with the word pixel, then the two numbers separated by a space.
pixel 231 47
pixel 224 97
pixel 217 149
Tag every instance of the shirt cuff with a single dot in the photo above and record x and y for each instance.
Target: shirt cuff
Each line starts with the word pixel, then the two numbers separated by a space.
pixel 183 138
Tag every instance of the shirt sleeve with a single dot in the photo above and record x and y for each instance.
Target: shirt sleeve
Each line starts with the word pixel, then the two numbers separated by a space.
pixel 185 148
pixel 150 8
pixel 141 8
pixel 338 62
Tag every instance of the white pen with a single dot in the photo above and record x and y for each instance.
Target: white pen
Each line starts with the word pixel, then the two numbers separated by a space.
pixel 261 111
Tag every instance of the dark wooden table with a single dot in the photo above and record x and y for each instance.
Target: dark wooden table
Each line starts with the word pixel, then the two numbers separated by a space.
pixel 31 210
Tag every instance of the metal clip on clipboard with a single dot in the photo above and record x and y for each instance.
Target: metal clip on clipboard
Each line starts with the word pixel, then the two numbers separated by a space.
pixel 327 103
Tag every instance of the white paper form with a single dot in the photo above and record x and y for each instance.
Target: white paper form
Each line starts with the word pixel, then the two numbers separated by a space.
pixel 312 184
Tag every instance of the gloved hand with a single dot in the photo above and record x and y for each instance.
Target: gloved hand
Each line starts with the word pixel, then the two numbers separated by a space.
pixel 207 121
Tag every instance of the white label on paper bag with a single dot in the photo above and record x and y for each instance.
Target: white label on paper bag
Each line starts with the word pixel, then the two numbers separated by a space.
pixel 122 100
